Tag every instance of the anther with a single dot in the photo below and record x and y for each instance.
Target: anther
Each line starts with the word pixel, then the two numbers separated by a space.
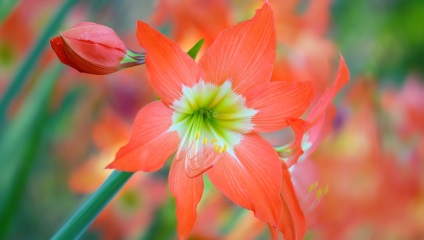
pixel 205 141
pixel 216 147
pixel 320 192
pixel 197 135
pixel 325 190
pixel 313 186
pixel 223 148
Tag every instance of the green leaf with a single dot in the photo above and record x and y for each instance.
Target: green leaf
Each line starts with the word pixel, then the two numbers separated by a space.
pixel 6 7
pixel 19 144
pixel 86 214
pixel 25 70
pixel 195 49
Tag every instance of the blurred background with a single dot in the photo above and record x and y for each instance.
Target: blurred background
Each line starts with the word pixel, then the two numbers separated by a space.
pixel 59 128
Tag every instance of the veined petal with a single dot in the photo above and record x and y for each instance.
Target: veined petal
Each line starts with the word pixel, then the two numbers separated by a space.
pixel 341 79
pixel 243 54
pixel 251 178
pixel 168 67
pixel 277 101
pixel 150 143
pixel 188 192
pixel 292 223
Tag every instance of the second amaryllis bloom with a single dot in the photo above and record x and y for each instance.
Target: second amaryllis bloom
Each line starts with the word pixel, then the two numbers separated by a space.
pixel 210 117
pixel 93 48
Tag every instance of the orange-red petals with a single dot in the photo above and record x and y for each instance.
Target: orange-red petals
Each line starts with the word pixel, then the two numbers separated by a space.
pixel 341 79
pixel 243 54
pixel 62 51
pixel 252 179
pixel 299 127
pixel 188 192
pixel 151 144
pixel 277 101
pixel 292 223
pixel 93 48
pixel 168 67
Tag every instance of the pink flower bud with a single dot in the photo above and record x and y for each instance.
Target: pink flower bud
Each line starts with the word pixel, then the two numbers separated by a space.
pixel 93 48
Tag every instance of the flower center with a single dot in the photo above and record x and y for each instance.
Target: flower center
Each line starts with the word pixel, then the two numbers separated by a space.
pixel 209 119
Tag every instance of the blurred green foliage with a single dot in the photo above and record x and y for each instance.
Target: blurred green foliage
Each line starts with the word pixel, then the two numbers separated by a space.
pixel 380 38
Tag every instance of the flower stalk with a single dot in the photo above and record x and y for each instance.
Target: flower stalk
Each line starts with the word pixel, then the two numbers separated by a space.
pixel 86 214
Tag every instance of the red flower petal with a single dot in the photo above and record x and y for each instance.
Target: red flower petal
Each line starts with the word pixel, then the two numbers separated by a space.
pixel 341 80
pixel 97 44
pixel 292 223
pixel 168 67
pixel 188 192
pixel 151 144
pixel 94 33
pixel 243 54
pixel 253 180
pixel 299 127
pixel 58 46
pixel 277 101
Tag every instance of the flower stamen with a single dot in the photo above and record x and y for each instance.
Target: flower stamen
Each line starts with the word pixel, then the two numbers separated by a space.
pixel 210 120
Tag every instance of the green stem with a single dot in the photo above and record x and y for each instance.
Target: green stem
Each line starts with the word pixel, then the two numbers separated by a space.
pixel 86 214
pixel 30 63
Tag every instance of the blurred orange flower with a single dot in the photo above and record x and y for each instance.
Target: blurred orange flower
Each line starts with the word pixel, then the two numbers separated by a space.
pixel 372 192
pixel 192 19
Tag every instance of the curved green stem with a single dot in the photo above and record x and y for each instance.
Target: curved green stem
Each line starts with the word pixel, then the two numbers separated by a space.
pixel 86 214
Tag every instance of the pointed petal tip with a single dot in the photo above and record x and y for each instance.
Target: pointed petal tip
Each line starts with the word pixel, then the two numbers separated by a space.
pixel 140 24
pixel 265 7
pixel 223 60
pixel 187 191
pixel 115 165
pixel 344 73
pixel 162 51
pixel 109 166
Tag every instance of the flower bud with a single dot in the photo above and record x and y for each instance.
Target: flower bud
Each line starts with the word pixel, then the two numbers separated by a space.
pixel 93 48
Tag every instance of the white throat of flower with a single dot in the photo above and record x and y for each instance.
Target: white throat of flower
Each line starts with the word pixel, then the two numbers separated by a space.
pixel 209 119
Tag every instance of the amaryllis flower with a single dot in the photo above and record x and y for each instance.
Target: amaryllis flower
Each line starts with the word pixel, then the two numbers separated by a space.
pixel 93 48
pixel 210 116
